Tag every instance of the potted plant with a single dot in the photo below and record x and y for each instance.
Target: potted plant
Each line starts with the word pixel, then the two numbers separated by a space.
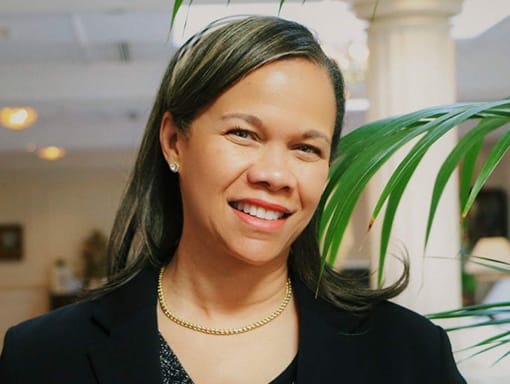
pixel 363 151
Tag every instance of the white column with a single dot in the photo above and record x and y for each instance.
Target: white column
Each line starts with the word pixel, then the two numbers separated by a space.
pixel 411 66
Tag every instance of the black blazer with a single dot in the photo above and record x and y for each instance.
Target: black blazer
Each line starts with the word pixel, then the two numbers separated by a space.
pixel 114 340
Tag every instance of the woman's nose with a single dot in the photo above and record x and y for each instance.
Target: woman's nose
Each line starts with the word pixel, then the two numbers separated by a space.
pixel 272 170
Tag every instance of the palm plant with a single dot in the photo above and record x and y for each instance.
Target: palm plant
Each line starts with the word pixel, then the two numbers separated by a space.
pixel 363 151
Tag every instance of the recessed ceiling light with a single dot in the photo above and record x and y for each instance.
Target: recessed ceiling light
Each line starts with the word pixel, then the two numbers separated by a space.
pixel 17 118
pixel 51 153
pixel 4 33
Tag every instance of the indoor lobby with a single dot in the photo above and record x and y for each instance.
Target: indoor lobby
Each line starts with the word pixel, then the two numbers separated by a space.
pixel 77 82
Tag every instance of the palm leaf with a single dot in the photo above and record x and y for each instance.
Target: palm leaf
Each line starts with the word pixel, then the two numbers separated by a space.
pixel 482 311
pixel 490 340
pixel 503 356
pixel 495 156
pixel 468 147
pixel 491 266
pixel 280 6
pixel 478 324
pixel 178 3
pixel 493 346
pixel 466 179
pixel 175 10
pixel 362 152
pixel 468 310
pixel 402 175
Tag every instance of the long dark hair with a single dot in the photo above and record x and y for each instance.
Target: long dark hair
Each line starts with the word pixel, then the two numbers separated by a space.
pixel 148 224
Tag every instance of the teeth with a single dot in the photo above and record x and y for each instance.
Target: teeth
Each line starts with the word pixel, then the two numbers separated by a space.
pixel 259 212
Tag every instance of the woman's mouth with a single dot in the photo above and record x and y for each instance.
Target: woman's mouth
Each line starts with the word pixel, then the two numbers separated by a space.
pixel 258 211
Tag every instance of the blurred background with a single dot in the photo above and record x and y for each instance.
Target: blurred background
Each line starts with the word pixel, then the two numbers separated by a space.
pixel 77 80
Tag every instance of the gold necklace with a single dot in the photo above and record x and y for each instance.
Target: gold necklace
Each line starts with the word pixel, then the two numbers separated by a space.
pixel 220 331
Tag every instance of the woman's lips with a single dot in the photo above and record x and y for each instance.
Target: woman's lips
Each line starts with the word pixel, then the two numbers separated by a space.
pixel 258 211
pixel 260 214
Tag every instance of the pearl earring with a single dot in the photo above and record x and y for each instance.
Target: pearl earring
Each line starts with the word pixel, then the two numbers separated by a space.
pixel 174 167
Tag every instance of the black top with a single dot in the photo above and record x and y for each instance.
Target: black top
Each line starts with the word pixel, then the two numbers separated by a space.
pixel 114 339
pixel 172 372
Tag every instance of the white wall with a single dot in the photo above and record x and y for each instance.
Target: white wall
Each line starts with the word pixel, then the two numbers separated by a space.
pixel 57 208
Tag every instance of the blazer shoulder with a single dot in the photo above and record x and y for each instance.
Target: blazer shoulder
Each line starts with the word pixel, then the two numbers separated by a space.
pixel 89 320
pixel 409 331
pixel 387 340
pixel 388 313
pixel 404 324
pixel 42 345
pixel 417 339
pixel 65 326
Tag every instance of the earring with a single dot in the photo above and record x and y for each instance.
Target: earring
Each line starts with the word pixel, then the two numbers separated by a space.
pixel 174 167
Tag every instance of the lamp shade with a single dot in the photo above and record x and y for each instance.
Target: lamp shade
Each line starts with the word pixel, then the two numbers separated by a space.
pixel 496 248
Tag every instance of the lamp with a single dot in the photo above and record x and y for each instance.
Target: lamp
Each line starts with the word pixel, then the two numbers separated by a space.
pixel 496 248
pixel 17 118
pixel 51 153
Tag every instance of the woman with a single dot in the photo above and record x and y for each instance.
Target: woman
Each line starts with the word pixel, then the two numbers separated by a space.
pixel 215 257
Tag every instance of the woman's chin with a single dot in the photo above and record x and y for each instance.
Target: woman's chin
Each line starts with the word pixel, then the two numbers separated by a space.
pixel 258 256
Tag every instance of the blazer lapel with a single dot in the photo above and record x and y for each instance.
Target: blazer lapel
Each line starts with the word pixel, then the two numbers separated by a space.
pixel 129 350
pixel 330 341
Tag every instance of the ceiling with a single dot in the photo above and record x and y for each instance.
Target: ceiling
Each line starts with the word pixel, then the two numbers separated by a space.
pixel 91 68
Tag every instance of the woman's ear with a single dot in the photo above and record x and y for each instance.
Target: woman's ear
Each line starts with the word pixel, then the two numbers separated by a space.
pixel 169 137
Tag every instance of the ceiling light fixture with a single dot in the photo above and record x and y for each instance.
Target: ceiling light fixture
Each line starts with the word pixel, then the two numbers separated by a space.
pixel 17 118
pixel 51 153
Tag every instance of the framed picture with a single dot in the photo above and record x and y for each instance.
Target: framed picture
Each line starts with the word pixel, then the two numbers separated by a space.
pixel 11 242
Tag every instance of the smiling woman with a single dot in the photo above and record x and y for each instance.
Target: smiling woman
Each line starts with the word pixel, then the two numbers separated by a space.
pixel 262 166
pixel 215 258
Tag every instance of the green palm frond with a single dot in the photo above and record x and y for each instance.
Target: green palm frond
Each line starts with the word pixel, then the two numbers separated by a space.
pixel 178 4
pixel 468 146
pixel 175 10
pixel 362 152
pixel 280 6
pixel 500 149
pixel 487 262
pixel 487 315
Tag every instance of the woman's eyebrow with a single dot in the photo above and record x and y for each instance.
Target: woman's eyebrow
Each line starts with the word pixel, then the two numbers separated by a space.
pixel 251 119
pixel 314 134
pixel 255 121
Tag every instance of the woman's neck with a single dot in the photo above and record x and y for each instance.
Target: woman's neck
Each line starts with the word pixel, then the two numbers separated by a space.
pixel 219 283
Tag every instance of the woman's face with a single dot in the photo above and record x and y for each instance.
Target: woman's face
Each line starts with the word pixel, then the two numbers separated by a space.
pixel 253 165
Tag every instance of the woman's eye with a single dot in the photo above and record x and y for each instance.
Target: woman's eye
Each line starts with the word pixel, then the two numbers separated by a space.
pixel 241 133
pixel 309 149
